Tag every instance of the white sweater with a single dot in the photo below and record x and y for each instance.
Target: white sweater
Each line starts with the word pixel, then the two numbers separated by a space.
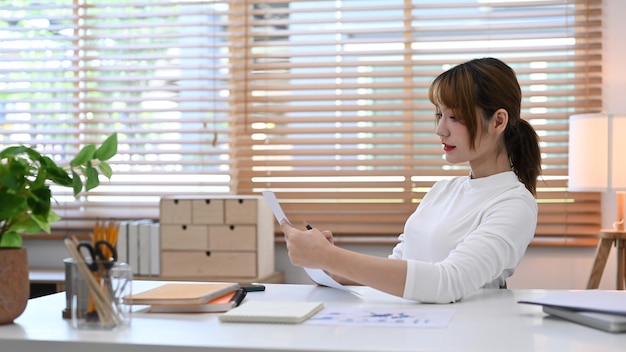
pixel 466 234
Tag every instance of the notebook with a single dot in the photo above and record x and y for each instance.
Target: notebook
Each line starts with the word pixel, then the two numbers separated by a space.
pixel 182 293
pixel 602 321
pixel 272 312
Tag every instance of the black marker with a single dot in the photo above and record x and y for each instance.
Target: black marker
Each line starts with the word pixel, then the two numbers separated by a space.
pixel 253 288
pixel 238 297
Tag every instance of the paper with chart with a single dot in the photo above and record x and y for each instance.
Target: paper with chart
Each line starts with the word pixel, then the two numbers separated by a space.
pixel 317 275
pixel 384 316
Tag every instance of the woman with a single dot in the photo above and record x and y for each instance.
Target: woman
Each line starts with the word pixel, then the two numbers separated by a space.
pixel 469 232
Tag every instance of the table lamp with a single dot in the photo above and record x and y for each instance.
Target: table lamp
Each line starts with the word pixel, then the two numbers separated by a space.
pixel 597 157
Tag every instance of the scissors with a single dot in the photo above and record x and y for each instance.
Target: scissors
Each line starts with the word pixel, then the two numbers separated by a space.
pixel 101 253
pixel 99 257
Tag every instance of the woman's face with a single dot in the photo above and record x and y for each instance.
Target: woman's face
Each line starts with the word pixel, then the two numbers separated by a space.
pixel 454 136
pixel 485 159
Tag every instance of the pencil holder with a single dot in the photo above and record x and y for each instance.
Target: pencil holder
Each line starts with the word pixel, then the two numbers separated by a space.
pixel 95 297
pixel 70 270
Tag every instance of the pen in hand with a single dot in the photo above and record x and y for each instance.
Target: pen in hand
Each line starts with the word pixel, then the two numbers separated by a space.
pixel 328 237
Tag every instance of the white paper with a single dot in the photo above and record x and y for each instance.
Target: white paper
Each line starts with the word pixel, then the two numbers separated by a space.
pixel 279 214
pixel 383 316
pixel 317 275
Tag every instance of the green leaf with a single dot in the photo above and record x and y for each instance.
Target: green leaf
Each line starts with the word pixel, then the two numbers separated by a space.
pixel 12 151
pixel 53 217
pixel 42 221
pixel 26 225
pixel 92 178
pixel 20 149
pixel 86 154
pixel 32 154
pixel 108 148
pixel 105 169
pixel 9 180
pixel 56 174
pixel 11 204
pixel 39 202
pixel 11 239
pixel 40 180
pixel 19 168
pixel 77 184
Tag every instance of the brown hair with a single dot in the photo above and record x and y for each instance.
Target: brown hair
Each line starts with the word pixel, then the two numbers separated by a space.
pixel 487 85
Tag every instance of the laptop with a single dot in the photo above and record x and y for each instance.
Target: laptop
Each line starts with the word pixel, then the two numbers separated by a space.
pixel 603 321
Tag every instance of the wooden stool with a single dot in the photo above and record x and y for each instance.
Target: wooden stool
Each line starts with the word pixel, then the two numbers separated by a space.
pixel 607 238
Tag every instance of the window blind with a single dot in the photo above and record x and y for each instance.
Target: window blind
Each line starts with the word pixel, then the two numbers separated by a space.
pixel 324 102
pixel 340 125
pixel 155 72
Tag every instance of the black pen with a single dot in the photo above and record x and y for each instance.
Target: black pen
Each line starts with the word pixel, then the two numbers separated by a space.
pixel 238 297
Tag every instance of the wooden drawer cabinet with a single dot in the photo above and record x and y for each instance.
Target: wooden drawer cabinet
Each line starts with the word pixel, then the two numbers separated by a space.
pixel 233 238
pixel 184 237
pixel 207 211
pixel 218 264
pixel 228 236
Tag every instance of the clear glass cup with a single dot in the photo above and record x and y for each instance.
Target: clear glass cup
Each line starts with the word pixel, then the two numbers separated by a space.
pixel 97 302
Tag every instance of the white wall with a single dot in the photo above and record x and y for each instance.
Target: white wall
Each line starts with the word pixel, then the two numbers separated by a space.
pixel 542 267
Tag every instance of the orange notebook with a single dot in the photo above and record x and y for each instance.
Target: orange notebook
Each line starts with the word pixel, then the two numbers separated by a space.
pixel 220 304
pixel 182 293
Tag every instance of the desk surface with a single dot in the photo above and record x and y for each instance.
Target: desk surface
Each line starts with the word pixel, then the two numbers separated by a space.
pixel 489 321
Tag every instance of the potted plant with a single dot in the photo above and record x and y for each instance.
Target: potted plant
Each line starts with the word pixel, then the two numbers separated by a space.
pixel 25 207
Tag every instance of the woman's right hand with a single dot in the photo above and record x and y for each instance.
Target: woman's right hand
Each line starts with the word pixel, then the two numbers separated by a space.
pixel 307 248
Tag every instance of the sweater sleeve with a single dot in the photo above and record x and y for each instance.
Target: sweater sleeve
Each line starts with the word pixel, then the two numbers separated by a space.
pixel 491 251
pixel 397 252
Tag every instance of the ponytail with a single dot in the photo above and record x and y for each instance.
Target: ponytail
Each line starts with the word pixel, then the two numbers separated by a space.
pixel 522 145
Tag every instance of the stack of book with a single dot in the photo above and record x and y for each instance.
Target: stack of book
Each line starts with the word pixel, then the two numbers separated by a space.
pixel 190 297
pixel 138 245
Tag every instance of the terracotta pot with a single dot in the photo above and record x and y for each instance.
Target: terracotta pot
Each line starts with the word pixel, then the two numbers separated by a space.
pixel 14 283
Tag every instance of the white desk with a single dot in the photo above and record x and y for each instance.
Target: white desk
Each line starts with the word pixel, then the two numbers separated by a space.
pixel 490 321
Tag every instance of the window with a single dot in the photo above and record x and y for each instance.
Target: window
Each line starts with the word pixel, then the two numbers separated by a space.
pixel 324 102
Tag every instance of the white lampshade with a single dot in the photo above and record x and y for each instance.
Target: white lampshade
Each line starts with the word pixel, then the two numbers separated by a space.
pixel 597 152
pixel 597 157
